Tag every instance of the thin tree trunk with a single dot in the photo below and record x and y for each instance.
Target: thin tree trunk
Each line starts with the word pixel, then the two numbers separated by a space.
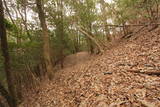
pixel 59 22
pixel 7 9
pixel 4 46
pixel 45 37
pixel 90 43
pixel 157 9
pixel 90 36
pixel 8 12
pixel 102 2
pixel 61 34
pixel 124 29
pixel 25 23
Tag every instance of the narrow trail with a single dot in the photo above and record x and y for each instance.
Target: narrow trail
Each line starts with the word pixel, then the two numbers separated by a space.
pixel 105 81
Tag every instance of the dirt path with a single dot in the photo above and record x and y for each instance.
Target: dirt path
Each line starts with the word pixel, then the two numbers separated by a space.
pixel 105 81
pixel 77 58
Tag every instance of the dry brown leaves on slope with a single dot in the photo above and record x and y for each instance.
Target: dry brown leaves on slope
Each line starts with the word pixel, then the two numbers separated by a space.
pixel 105 81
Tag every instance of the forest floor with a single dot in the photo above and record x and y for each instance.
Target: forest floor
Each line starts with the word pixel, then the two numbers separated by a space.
pixel 108 80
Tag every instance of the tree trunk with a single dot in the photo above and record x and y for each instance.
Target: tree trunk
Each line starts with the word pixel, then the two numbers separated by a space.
pixel 90 43
pixel 61 35
pixel 106 30
pixel 24 19
pixel 91 37
pixel 45 37
pixel 7 96
pixel 59 22
pixel 4 46
pixel 7 9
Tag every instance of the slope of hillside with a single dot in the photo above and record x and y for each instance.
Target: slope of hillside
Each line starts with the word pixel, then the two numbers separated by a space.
pixel 108 80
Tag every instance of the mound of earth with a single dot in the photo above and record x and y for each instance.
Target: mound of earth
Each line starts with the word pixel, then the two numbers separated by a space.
pixel 108 80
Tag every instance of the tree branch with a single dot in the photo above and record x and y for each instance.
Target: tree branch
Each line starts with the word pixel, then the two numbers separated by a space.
pixel 89 35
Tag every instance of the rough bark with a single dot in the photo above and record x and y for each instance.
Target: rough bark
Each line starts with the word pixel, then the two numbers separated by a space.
pixel 45 37
pixel 4 46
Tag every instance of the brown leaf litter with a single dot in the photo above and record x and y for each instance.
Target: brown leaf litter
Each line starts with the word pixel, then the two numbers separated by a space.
pixel 104 81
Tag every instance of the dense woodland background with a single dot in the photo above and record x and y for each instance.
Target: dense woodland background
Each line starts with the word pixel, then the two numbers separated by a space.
pixel 37 35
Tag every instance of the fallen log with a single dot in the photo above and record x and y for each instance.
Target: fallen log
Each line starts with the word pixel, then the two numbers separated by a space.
pixel 131 34
pixel 130 25
pixel 157 73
